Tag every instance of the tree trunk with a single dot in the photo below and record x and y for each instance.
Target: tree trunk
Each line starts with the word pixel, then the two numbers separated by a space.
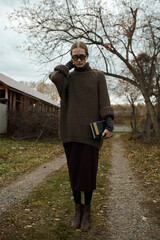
pixel 154 118
pixel 148 127
pixel 158 109
pixel 133 118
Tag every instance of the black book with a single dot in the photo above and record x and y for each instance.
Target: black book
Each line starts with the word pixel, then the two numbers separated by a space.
pixel 97 128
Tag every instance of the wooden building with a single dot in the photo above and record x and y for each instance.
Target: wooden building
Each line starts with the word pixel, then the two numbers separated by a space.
pixel 16 98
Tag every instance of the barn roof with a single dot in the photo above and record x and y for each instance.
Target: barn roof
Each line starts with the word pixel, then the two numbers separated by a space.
pixel 11 83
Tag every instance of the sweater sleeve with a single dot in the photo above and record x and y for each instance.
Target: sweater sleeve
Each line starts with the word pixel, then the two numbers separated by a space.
pixel 105 108
pixel 109 124
pixel 60 78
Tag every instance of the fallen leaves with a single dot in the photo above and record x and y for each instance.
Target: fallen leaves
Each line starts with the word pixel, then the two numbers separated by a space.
pixel 28 226
pixel 145 160
pixel 144 218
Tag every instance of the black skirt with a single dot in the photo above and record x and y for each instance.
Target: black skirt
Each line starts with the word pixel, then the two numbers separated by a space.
pixel 82 161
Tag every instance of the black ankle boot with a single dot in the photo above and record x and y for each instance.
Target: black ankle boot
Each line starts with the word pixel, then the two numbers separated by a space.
pixel 85 222
pixel 75 222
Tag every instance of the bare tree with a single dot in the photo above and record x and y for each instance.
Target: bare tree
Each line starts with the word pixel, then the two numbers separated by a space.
pixel 119 35
pixel 150 84
pixel 133 96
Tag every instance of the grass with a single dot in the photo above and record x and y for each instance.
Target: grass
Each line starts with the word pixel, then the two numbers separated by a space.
pixel 18 157
pixel 145 160
pixel 47 212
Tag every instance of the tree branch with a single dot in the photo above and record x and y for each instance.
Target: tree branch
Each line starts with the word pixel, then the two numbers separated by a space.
pixel 123 78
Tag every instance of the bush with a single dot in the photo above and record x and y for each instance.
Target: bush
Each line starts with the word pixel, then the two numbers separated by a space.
pixel 27 124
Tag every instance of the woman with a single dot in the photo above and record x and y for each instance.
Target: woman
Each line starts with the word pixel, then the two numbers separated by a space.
pixel 84 99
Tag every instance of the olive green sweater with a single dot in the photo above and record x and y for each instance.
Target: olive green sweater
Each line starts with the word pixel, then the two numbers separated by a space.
pixel 84 99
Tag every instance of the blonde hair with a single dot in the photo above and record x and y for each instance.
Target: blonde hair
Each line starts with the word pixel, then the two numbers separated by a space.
pixel 79 44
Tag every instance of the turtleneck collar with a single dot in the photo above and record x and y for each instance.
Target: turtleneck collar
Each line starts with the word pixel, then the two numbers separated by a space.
pixel 86 67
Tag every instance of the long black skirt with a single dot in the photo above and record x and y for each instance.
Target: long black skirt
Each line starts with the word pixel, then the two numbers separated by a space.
pixel 82 161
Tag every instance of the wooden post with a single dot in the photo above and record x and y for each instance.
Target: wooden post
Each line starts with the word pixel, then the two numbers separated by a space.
pixel 6 93
pixel 14 101
pixel 21 102
pixel 10 101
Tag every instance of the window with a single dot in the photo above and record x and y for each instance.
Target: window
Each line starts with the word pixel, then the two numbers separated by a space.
pixel 2 93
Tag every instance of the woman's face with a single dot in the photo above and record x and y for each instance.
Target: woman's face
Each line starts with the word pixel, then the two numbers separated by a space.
pixel 79 57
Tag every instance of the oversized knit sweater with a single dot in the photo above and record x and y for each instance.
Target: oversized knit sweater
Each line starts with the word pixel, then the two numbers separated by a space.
pixel 84 99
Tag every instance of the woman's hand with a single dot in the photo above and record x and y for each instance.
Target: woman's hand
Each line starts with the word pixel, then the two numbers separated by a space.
pixel 70 65
pixel 106 134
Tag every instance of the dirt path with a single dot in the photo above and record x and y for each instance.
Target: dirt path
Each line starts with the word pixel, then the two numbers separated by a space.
pixel 127 217
pixel 24 185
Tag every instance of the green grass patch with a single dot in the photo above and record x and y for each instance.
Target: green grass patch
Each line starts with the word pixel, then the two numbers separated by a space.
pixel 17 157
pixel 46 214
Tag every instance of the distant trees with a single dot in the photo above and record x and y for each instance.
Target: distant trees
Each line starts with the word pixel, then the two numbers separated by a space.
pixel 48 89
pixel 124 116
pixel 125 36
pixel 131 95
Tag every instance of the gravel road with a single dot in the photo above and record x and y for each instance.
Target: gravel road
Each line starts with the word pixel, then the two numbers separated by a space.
pixel 24 185
pixel 127 217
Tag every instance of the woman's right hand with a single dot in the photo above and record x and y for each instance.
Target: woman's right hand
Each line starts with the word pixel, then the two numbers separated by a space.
pixel 70 65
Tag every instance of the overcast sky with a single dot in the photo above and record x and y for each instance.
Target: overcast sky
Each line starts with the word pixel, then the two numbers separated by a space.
pixel 14 63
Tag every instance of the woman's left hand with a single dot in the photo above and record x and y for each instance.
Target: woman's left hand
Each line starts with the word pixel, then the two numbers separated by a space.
pixel 106 134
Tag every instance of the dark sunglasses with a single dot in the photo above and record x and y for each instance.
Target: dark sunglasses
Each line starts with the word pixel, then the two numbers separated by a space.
pixel 76 57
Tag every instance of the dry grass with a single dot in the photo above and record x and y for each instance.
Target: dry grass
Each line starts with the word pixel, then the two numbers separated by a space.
pixel 18 157
pixel 145 160
pixel 47 212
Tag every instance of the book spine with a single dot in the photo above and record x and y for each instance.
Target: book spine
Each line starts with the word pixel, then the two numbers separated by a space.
pixel 92 130
pixel 96 128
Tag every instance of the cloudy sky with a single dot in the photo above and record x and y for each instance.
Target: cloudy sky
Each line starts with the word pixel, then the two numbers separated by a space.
pixel 14 63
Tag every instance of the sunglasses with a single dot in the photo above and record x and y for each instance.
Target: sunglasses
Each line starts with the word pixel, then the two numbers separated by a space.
pixel 76 57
